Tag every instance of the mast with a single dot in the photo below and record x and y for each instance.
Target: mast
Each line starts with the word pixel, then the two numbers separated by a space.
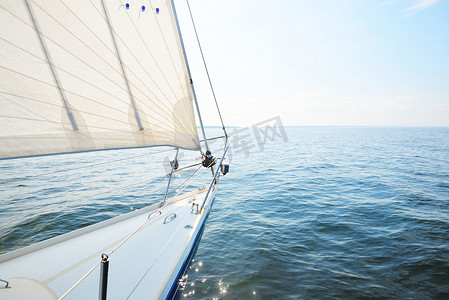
pixel 190 76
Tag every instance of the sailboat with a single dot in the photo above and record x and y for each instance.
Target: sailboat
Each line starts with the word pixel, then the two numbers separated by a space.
pixel 91 75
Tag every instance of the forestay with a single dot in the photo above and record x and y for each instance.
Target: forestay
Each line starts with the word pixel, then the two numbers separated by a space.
pixel 92 74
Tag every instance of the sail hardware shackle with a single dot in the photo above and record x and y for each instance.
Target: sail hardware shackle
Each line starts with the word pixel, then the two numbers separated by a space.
pixel 214 181
pixel 171 174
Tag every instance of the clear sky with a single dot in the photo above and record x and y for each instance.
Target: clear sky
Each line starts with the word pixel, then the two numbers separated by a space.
pixel 322 62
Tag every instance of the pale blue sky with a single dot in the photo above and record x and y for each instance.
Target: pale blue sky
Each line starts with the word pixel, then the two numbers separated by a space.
pixel 323 62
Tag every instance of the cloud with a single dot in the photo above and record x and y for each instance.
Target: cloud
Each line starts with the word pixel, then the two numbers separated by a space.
pixel 421 4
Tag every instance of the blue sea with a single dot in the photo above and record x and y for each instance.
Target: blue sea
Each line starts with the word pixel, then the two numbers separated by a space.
pixel 304 213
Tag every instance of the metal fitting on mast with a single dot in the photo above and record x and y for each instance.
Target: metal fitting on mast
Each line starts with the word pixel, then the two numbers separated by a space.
pixel 208 160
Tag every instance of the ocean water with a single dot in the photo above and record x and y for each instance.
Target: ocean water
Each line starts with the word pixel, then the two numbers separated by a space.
pixel 305 213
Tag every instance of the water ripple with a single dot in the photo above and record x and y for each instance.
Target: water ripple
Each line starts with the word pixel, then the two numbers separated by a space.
pixel 335 213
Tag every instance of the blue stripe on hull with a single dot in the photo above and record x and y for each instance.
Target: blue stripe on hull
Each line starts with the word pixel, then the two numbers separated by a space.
pixel 175 293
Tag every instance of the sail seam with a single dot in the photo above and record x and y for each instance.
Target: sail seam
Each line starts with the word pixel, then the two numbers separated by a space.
pixel 102 59
pixel 136 114
pixel 151 54
pixel 166 110
pixel 168 51
pixel 50 64
pixel 157 64
pixel 76 94
pixel 144 69
pixel 92 85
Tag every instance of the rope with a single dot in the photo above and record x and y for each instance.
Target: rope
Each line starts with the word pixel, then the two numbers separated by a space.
pixel 157 257
pixel 140 227
pixel 134 232
pixel 79 281
pixel 207 71
pixel 137 230
pixel 81 167
pixel 183 168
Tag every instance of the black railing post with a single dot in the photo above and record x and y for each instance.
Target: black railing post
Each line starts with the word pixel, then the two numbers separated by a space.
pixel 104 276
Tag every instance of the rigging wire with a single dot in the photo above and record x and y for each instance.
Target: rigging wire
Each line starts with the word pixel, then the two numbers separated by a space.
pixel 134 232
pixel 207 71
pixel 140 227
pixel 223 127
pixel 137 230
pixel 158 255
pixel 175 162
pixel 81 167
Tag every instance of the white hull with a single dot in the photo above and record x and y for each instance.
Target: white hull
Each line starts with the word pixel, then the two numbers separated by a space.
pixel 146 266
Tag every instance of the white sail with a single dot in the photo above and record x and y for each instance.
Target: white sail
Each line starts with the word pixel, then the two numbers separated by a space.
pixel 92 74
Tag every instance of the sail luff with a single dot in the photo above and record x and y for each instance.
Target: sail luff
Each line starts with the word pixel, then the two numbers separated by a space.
pixel 190 75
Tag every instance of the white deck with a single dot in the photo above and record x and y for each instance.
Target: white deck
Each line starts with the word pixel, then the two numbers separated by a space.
pixel 144 267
